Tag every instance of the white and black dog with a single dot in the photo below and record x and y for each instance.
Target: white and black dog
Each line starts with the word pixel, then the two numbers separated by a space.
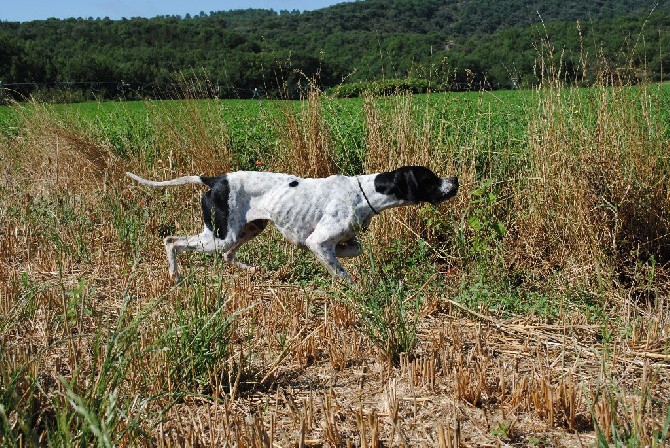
pixel 323 215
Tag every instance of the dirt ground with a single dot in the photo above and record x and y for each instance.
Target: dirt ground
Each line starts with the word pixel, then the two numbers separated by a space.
pixel 472 381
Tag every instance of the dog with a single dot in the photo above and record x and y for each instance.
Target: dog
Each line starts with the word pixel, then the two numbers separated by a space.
pixel 321 214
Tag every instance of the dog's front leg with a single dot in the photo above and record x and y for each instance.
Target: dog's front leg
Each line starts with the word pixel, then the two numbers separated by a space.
pixel 325 252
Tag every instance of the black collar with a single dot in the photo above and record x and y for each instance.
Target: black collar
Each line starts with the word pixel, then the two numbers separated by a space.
pixel 366 198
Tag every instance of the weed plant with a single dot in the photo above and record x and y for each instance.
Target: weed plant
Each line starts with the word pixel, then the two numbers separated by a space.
pixel 387 312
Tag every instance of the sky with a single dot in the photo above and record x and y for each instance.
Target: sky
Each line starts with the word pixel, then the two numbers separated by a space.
pixel 27 10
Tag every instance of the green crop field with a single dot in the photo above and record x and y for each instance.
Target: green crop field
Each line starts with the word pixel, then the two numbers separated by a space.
pixel 530 310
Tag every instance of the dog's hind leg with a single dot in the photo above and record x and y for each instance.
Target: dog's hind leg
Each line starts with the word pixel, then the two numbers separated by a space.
pixel 206 242
pixel 174 245
pixel 248 232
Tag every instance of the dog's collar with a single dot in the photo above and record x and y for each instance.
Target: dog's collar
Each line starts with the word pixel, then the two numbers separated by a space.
pixel 366 198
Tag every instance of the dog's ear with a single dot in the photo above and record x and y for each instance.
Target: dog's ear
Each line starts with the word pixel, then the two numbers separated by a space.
pixel 409 183
pixel 386 183
pixel 422 184
pixel 399 183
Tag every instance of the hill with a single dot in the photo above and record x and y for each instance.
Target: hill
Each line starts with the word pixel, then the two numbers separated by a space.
pixel 445 41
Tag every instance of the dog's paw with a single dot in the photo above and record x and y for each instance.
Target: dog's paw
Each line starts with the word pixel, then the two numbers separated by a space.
pixel 176 278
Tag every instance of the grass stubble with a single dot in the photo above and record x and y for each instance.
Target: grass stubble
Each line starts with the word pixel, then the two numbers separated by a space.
pixel 531 310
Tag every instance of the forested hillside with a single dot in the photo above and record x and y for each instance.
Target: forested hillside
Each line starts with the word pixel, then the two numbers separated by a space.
pixel 444 41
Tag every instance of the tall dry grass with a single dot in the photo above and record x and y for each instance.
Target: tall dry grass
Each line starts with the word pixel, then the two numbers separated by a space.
pixel 397 135
pixel 307 148
pixel 592 203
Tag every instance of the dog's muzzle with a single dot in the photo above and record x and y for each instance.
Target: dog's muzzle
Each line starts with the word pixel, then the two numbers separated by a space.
pixel 449 188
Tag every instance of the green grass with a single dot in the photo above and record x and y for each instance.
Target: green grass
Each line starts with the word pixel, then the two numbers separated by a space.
pixel 134 128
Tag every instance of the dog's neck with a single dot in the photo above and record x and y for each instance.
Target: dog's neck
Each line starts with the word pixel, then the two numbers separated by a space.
pixel 366 197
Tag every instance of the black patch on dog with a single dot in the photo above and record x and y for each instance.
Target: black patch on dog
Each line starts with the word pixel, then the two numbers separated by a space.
pixel 293 184
pixel 214 203
pixel 212 181
pixel 411 183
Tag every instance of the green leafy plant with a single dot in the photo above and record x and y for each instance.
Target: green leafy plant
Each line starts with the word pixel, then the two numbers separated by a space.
pixel 387 313
pixel 85 413
pixel 481 230
pixel 76 307
pixel 502 430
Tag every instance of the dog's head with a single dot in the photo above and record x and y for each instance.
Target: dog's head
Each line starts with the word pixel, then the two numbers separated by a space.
pixel 416 184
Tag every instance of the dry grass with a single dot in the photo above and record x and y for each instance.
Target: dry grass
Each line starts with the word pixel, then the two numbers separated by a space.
pixel 307 150
pixel 98 348
pixel 395 137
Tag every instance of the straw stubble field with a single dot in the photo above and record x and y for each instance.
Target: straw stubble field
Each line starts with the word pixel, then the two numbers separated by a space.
pixel 531 310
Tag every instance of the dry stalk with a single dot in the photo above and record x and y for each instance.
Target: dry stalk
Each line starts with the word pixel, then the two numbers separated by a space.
pixel 330 412
pixel 449 437
pixel 193 137
pixel 396 137
pixel 308 147
pixel 392 406
pixel 368 423
pixel 420 371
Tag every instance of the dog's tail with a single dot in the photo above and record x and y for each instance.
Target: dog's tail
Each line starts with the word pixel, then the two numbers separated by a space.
pixel 167 183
